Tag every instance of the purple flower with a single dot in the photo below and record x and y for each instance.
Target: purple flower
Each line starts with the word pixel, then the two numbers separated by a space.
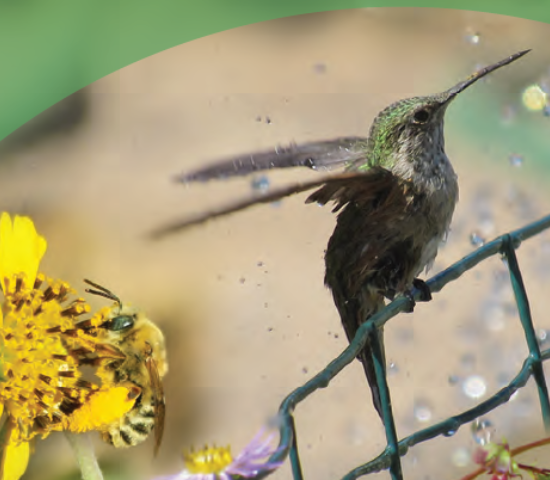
pixel 217 463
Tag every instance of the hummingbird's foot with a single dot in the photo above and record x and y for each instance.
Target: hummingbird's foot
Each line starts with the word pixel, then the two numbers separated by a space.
pixel 412 302
pixel 425 294
pixel 422 286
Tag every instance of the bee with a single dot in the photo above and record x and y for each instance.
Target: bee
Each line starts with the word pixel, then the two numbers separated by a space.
pixel 142 363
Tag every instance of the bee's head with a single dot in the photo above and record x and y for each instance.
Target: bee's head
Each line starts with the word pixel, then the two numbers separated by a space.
pixel 122 319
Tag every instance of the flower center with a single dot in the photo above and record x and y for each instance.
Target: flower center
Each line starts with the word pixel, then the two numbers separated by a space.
pixel 208 460
pixel 41 348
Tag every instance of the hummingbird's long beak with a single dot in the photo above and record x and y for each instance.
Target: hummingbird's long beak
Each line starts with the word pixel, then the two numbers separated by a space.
pixel 454 91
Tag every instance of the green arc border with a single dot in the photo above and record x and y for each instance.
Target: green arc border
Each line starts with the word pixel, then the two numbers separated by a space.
pixel 52 49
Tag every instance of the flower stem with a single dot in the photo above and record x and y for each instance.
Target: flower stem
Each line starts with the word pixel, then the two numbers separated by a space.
pixel 530 446
pixel 84 451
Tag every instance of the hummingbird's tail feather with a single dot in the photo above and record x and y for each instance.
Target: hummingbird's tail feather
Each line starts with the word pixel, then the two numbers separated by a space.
pixel 370 304
pixel 365 357
pixel 354 311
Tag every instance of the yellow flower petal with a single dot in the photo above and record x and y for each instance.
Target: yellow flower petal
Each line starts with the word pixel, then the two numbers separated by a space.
pixel 21 250
pixel 103 408
pixel 6 242
pixel 15 457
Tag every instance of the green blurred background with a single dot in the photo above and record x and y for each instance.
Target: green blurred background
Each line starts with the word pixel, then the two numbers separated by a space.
pixel 242 300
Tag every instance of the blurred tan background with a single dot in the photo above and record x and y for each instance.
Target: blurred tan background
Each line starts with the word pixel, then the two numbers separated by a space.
pixel 242 300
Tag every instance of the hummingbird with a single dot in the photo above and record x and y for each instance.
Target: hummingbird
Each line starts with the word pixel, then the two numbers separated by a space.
pixel 394 202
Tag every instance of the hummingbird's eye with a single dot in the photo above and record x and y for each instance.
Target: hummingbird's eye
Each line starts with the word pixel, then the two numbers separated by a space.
pixel 421 116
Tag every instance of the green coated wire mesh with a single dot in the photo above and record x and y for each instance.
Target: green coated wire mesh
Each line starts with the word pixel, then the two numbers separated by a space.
pixel 390 458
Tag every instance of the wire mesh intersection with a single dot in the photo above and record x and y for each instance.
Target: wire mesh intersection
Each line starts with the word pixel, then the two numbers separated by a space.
pixel 390 458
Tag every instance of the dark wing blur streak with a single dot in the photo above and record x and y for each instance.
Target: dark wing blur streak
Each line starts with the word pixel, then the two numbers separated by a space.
pixel 272 196
pixel 314 155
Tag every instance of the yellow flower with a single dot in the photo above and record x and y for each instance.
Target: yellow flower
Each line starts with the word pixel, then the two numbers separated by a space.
pixel 21 252
pixel 42 346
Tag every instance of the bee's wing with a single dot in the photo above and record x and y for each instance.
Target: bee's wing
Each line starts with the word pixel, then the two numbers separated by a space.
pixel 315 155
pixel 160 406
pixel 272 196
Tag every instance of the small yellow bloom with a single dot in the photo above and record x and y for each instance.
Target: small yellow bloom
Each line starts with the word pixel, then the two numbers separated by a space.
pixel 217 463
pixel 42 347
pixel 208 460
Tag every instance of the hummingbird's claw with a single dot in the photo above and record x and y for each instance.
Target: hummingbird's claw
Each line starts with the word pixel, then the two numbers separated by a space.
pixel 423 288
pixel 412 302
pixel 425 294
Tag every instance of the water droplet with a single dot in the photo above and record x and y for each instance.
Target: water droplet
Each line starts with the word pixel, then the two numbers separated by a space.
pixel 543 337
pixel 453 379
pixel 503 378
pixel 267 120
pixel 524 407
pixel 508 114
pixel 510 309
pixel 477 68
pixel 493 317
pixel 405 334
pixel 320 68
pixel 260 184
pixel 449 433
pixel 534 98
pixel 482 430
pixel 461 457
pixel 468 361
pixel 409 459
pixel 516 160
pixel 422 411
pixel 476 239
pixel 393 369
pixel 357 434
pixel 486 224
pixel 474 386
pixel 472 37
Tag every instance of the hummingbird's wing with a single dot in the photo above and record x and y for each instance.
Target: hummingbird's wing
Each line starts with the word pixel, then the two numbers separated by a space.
pixel 269 197
pixel 365 187
pixel 315 155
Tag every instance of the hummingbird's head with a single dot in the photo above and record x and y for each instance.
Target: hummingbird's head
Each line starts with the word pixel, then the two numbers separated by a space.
pixel 407 137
